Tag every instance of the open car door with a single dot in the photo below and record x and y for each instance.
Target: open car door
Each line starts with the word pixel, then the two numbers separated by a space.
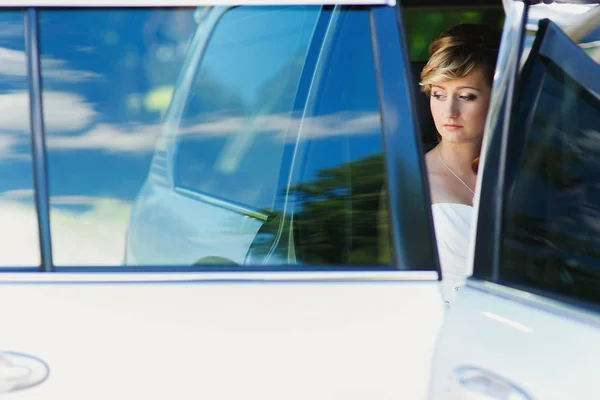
pixel 527 324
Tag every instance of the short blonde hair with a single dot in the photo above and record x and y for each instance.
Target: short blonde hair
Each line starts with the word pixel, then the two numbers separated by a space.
pixel 457 51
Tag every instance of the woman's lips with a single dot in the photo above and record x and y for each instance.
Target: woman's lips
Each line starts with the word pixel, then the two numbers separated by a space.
pixel 452 127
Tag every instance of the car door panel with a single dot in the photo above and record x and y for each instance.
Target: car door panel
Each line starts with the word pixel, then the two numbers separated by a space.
pixel 263 336
pixel 525 326
pixel 537 347
pixel 163 328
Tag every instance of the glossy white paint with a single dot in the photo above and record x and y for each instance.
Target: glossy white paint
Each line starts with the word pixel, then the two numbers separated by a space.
pixel 224 340
pixel 540 347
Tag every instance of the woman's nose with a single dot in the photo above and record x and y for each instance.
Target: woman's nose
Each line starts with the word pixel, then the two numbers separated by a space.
pixel 453 110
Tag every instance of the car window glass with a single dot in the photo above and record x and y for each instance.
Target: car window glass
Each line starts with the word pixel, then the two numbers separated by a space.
pixel 183 138
pixel 19 229
pixel 336 201
pixel 551 237
pixel 230 139
pixel 108 76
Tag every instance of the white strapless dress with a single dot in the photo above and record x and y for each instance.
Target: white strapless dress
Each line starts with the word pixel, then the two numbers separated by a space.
pixel 452 223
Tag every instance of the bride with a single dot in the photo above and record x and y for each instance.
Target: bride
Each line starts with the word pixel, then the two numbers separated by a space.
pixel 458 79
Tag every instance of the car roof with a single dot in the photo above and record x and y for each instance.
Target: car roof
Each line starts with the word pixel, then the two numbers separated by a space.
pixel 193 3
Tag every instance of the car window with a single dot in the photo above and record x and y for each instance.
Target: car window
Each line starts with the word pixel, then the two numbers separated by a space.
pixel 230 138
pixel 185 138
pixel 551 235
pixel 19 229
pixel 108 76
pixel 335 205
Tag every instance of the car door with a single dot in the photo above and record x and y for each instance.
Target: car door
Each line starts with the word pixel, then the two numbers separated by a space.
pixel 334 301
pixel 527 323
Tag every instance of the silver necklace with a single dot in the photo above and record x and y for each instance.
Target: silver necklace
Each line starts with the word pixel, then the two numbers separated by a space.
pixel 453 173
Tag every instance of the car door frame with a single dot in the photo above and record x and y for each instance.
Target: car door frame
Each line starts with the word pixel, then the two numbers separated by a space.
pixel 523 308
pixel 410 217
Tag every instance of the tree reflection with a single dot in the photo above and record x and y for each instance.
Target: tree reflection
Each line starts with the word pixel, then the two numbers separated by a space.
pixel 552 223
pixel 339 218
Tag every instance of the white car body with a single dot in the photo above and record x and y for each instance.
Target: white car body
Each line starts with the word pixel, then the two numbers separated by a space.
pixel 290 334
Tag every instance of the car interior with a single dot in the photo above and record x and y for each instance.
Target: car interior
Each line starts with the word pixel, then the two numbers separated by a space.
pixel 423 22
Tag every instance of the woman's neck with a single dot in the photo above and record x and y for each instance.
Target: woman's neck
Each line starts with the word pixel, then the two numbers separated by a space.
pixel 459 156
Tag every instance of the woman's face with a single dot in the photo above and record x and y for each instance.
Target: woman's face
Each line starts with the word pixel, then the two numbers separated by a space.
pixel 459 107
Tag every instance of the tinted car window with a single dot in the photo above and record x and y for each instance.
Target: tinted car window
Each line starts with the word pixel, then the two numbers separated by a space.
pixel 335 204
pixel 19 228
pixel 552 223
pixel 108 76
pixel 231 133
pixel 238 136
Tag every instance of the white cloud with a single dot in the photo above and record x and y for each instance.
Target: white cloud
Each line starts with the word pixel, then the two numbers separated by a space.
pixel 95 237
pixel 14 63
pixel 18 235
pixel 111 138
pixel 341 123
pixel 17 194
pixel 142 138
pixel 11 30
pixel 7 142
pixel 66 112
pixel 63 111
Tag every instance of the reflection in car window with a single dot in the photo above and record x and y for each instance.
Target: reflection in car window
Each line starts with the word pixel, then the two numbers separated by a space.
pixel 552 222
pixel 568 17
pixel 19 229
pixel 231 134
pixel 336 211
pixel 108 75
pixel 237 136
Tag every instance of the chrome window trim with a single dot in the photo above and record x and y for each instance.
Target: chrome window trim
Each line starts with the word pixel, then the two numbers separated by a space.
pixel 483 256
pixel 542 303
pixel 141 277
pixel 38 137
pixel 229 205
pixel 188 3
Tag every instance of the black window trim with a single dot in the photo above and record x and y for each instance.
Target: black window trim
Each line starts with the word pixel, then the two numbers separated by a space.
pixel 557 48
pixel 412 238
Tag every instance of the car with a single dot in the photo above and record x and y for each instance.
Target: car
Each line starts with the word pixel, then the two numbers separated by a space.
pixel 228 199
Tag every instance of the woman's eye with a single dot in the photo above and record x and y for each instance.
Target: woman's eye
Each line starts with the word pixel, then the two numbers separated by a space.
pixel 438 96
pixel 467 97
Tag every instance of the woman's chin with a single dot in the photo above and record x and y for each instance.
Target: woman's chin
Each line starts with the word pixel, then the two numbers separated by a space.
pixel 458 137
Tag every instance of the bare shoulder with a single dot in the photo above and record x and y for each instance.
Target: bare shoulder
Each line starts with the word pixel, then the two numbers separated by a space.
pixel 434 172
pixel 437 176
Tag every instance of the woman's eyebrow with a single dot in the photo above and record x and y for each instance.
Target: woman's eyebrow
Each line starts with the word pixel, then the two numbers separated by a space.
pixel 469 87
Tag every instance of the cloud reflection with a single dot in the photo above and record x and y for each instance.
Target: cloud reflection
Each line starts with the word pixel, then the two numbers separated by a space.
pixel 63 111
pixel 69 121
pixel 92 237
pixel 13 64
pixel 340 123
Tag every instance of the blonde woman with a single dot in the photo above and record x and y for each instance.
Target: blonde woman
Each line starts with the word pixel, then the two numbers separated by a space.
pixel 458 80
